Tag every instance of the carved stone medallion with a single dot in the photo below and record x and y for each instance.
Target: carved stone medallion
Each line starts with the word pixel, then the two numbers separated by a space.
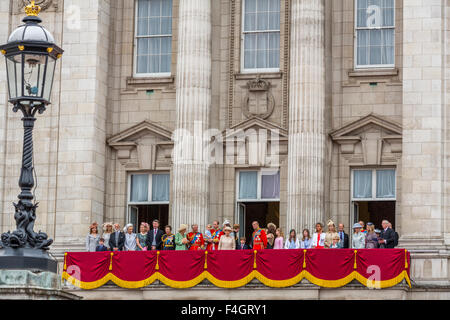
pixel 259 101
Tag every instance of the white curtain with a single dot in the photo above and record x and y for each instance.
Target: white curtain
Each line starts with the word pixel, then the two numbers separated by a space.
pixel 261 49
pixel 388 46
pixel 154 18
pixel 139 188
pixel 270 188
pixel 362 184
pixel 375 46
pixel 385 183
pixel 160 187
pixel 248 184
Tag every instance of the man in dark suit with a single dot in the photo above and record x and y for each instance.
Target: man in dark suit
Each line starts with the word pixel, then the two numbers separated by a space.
pixel 343 237
pixel 387 236
pixel 154 235
pixel 117 239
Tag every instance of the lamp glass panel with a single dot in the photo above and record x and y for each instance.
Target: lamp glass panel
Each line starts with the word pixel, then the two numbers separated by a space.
pixel 48 81
pixel 12 79
pixel 14 66
pixel 33 74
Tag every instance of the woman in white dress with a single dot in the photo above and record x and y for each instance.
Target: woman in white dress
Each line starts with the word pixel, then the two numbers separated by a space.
pixel 318 239
pixel 130 238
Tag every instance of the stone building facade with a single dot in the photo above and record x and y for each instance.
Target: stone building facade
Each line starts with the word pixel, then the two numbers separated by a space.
pixel 313 109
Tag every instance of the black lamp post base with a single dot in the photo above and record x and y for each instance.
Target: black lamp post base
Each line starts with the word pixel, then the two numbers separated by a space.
pixel 36 260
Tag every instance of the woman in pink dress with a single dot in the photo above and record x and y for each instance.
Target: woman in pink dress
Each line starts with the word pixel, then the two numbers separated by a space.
pixel 278 244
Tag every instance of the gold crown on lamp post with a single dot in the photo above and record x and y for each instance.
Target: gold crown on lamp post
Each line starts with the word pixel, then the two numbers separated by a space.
pixel 32 9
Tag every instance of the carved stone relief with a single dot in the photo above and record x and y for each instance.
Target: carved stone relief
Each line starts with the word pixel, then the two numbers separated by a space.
pixel 44 4
pixel 259 101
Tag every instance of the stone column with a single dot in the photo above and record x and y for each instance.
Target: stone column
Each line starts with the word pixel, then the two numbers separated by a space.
pixel 193 101
pixel 305 193
pixel 424 199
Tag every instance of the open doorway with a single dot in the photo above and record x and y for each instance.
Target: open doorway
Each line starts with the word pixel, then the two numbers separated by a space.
pixel 263 212
pixel 375 212
pixel 148 213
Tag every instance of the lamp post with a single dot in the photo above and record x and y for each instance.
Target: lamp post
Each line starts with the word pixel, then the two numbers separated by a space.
pixel 31 55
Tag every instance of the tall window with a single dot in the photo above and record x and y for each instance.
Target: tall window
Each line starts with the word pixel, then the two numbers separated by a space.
pixel 261 35
pixel 372 185
pixel 153 43
pixel 149 188
pixel 262 185
pixel 375 33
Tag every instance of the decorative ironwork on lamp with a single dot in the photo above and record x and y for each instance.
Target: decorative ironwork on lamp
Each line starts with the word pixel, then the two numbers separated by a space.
pixel 31 55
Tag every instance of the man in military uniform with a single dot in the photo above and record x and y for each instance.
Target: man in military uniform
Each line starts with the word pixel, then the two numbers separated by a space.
pixel 216 233
pixel 195 238
pixel 259 237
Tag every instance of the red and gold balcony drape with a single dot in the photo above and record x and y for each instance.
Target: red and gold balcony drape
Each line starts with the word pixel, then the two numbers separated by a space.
pixel 330 268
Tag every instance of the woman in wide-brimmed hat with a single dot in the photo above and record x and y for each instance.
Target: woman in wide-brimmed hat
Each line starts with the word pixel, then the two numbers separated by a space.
pixel 330 234
pixel 227 241
pixel 358 238
pixel 271 230
pixel 108 229
pixel 180 238
pixel 92 238
pixel 130 238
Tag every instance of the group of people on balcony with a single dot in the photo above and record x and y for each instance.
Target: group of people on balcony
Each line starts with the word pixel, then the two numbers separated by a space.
pixel 227 237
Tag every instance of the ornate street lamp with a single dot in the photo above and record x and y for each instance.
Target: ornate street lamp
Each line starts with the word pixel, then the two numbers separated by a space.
pixel 31 55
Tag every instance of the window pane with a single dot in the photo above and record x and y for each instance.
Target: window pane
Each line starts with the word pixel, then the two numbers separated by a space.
pixel 262 47
pixel 385 183
pixel 274 41
pixel 274 21
pixel 142 64
pixel 143 6
pixel 166 9
pixel 270 186
pixel 376 47
pixel 154 18
pixel 166 25
pixel 154 26
pixel 139 188
pixel 362 184
pixel 388 52
pixel 262 21
pixel 250 6
pixel 248 182
pixel 274 5
pixel 142 27
pixel 160 187
pixel 250 22
pixel 375 13
pixel 250 51
pixel 155 8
